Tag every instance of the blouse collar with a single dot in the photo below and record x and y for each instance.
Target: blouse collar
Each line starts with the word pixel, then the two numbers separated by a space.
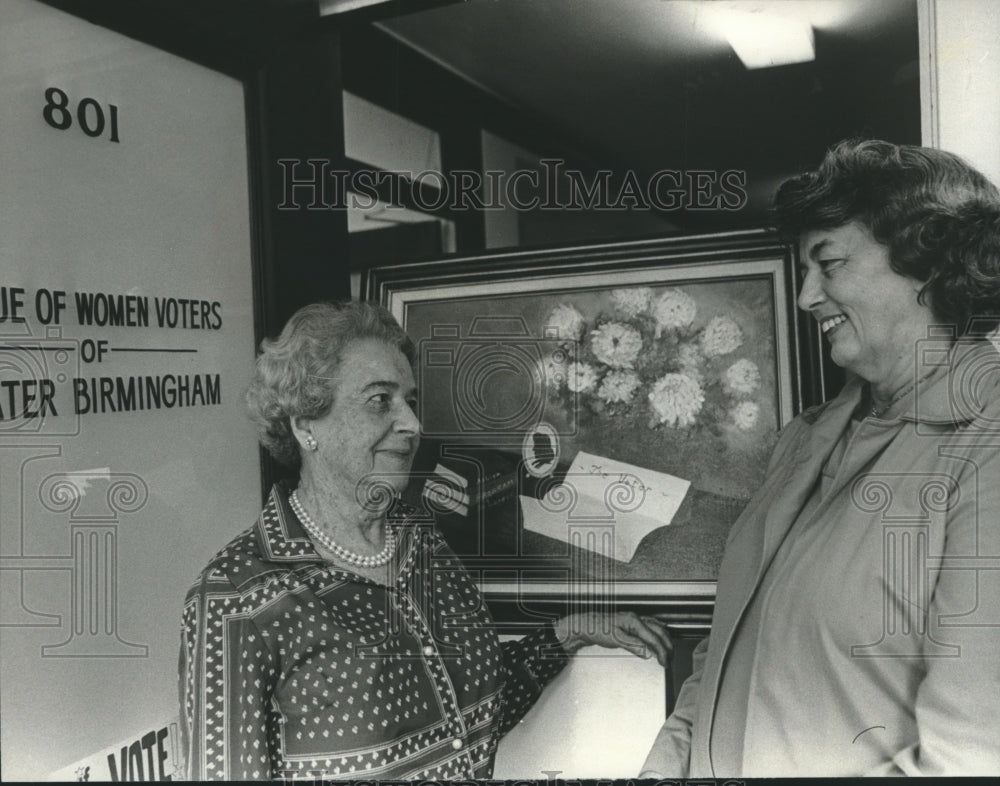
pixel 284 539
pixel 958 382
pixel 964 379
pixel 282 535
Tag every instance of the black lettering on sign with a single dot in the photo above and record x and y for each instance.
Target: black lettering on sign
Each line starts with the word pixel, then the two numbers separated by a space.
pixel 131 394
pixel 142 760
pixel 55 112
pixel 161 753
pixel 11 303
pixel 118 310
pixel 135 772
pixel 89 114
pixel 35 398
pixel 92 123
pixel 49 305
pixel 180 312
pixel 129 767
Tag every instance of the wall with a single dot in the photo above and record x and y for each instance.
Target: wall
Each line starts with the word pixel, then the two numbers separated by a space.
pixel 508 227
pixel 384 140
pixel 960 74
pixel 110 505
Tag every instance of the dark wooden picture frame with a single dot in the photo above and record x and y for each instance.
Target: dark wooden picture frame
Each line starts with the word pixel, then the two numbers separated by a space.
pixel 724 302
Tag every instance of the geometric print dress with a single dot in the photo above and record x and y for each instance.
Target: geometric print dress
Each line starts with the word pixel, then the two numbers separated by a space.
pixel 293 668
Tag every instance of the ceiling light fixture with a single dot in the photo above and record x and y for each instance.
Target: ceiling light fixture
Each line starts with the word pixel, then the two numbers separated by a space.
pixel 762 39
pixel 330 7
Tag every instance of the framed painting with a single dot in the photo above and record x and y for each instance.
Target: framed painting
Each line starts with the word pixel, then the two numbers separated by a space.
pixel 658 370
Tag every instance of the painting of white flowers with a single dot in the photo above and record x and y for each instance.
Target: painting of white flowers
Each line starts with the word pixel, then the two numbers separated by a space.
pixel 683 356
pixel 670 377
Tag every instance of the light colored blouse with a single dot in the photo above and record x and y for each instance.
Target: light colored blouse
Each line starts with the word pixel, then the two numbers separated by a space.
pixel 856 629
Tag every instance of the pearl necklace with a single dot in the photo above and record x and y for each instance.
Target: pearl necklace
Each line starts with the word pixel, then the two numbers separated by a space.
pixel 350 557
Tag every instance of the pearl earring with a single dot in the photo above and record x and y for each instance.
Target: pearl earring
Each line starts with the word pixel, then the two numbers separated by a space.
pixel 311 443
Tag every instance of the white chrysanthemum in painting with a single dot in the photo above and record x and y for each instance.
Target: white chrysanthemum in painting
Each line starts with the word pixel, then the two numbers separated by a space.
pixel 722 336
pixel 745 415
pixel 618 387
pixel 677 399
pixel 649 357
pixel 673 310
pixel 582 377
pixel 631 302
pixel 743 377
pixel 616 345
pixel 566 322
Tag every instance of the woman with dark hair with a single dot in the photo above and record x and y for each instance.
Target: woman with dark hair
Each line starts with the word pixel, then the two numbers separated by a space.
pixel 339 636
pixel 857 620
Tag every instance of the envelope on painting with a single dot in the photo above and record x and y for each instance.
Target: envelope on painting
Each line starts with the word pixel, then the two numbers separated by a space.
pixel 605 506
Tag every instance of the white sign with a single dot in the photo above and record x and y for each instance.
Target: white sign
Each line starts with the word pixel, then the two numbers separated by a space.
pixel 126 341
pixel 154 755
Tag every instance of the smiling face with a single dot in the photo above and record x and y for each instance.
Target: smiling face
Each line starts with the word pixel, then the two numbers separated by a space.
pixel 868 312
pixel 371 431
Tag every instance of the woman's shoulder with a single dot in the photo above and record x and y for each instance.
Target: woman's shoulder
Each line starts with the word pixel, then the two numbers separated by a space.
pixel 963 400
pixel 817 415
pixel 810 415
pixel 800 426
pixel 241 555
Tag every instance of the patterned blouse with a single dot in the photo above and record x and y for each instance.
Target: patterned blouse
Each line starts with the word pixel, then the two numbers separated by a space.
pixel 291 667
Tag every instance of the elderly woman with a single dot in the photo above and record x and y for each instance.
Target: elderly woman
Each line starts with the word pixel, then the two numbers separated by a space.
pixel 339 635
pixel 857 620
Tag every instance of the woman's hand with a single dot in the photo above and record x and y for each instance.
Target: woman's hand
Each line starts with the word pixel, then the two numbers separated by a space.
pixel 642 636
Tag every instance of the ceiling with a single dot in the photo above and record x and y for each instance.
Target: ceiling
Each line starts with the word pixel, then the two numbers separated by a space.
pixel 653 84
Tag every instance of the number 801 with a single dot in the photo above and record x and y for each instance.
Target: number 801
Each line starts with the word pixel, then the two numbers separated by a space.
pixel 89 114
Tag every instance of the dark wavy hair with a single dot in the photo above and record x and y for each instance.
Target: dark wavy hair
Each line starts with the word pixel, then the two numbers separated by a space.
pixel 939 218
pixel 296 373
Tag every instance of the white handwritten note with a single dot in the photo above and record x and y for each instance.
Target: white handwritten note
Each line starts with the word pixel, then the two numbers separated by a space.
pixel 606 506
